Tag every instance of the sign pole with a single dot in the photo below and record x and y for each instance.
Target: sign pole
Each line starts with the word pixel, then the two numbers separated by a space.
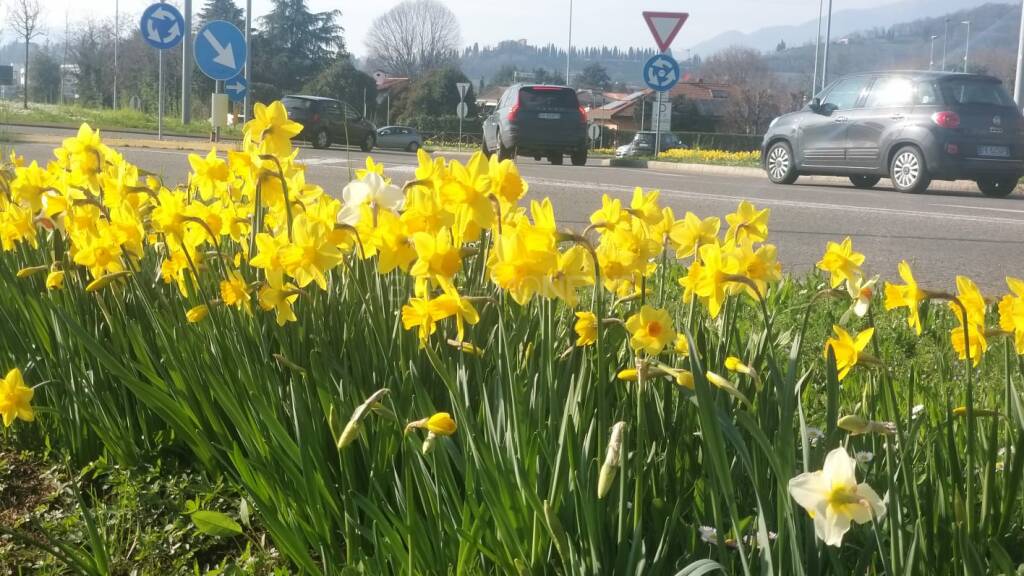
pixel 217 89
pixel 657 128
pixel 186 66
pixel 160 96
pixel 248 68
pixel 460 133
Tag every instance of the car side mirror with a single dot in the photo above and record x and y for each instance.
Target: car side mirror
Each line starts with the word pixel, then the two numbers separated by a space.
pixel 815 104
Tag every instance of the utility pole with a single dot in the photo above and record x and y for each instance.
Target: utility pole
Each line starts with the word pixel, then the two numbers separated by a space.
pixel 967 43
pixel 945 41
pixel 568 52
pixel 1018 84
pixel 817 51
pixel 64 62
pixel 931 53
pixel 186 66
pixel 828 40
pixel 248 65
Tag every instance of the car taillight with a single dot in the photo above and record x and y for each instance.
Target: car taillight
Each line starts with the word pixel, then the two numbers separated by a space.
pixel 583 115
pixel 949 120
pixel 315 117
pixel 514 112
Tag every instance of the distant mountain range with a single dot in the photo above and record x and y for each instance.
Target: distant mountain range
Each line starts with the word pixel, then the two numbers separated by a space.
pixel 843 22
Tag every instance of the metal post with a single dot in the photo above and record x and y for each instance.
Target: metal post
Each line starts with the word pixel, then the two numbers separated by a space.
pixel 387 121
pixel 117 33
pixel 817 51
pixel 460 131
pixel 967 43
pixel 568 52
pixel 186 66
pixel 828 40
pixel 656 121
pixel 248 60
pixel 1018 83
pixel 945 41
pixel 160 96
pixel 218 88
pixel 931 53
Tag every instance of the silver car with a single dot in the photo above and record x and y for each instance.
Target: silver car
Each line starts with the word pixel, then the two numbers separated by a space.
pixel 399 137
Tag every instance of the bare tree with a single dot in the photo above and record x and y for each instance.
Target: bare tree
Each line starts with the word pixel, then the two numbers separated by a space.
pixel 24 17
pixel 414 37
pixel 756 97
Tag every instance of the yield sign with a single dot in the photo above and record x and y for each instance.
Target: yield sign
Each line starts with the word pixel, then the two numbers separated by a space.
pixel 664 26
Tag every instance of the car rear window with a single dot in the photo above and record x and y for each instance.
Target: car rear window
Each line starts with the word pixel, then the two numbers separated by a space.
pixel 976 91
pixel 296 103
pixel 548 97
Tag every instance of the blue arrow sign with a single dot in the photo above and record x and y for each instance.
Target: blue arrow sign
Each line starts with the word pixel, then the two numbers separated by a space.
pixel 220 50
pixel 236 88
pixel 162 26
pixel 661 72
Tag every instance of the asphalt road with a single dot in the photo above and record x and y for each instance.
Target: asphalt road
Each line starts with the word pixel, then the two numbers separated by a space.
pixel 940 233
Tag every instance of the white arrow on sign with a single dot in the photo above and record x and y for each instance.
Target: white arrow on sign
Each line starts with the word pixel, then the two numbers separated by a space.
pixel 225 54
pixel 236 87
pixel 173 33
pixel 151 32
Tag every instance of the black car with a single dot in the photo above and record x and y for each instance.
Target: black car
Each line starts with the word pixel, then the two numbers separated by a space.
pixel 540 121
pixel 326 121
pixel 911 127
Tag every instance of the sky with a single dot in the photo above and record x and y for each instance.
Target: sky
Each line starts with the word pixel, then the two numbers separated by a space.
pixel 595 22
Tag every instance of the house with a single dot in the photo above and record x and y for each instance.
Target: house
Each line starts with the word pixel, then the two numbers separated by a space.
pixel 711 100
pixel 388 87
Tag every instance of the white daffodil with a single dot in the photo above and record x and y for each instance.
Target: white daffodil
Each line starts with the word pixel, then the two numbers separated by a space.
pixel 833 498
pixel 861 291
pixel 373 191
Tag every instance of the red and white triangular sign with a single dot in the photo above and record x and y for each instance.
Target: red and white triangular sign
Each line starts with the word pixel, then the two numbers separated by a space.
pixel 664 26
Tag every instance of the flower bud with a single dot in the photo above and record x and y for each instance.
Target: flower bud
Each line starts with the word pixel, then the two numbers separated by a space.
pixel 611 461
pixel 31 271
pixel 428 444
pixel 104 281
pixel 854 424
pixel 55 280
pixel 197 313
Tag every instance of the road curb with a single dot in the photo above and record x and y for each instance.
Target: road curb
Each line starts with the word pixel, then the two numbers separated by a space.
pixel 23 138
pixel 748 172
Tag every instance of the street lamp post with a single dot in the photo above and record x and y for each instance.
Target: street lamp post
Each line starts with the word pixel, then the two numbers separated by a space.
pixel 828 40
pixel 568 52
pixel 1018 82
pixel 967 43
pixel 945 41
pixel 117 34
pixel 817 51
pixel 931 53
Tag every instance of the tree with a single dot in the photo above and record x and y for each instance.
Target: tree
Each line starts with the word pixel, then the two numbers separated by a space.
pixel 45 83
pixel 342 80
pixel 295 45
pixel 593 76
pixel 24 17
pixel 414 37
pixel 781 46
pixel 221 10
pixel 435 94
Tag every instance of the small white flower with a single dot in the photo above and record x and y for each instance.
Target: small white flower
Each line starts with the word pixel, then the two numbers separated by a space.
pixel 708 534
pixel 917 410
pixel 814 434
pixel 861 292
pixel 372 191
pixel 864 457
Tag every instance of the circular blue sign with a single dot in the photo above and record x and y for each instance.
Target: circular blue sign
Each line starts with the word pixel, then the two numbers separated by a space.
pixel 661 72
pixel 236 88
pixel 162 26
pixel 220 50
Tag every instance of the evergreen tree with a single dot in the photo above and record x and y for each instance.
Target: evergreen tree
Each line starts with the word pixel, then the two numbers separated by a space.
pixel 221 10
pixel 295 45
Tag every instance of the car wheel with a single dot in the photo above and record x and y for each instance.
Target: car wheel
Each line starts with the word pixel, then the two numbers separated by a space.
pixel 908 172
pixel 555 159
pixel 503 152
pixel 321 140
pixel 367 144
pixel 997 187
pixel 863 181
pixel 779 164
pixel 413 146
pixel 579 157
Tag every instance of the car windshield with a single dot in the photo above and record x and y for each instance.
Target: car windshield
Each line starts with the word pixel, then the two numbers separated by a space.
pixel 976 91
pixel 644 138
pixel 547 97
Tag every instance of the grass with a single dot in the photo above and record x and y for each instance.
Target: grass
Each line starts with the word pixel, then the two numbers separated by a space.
pixel 107 119
pixel 239 407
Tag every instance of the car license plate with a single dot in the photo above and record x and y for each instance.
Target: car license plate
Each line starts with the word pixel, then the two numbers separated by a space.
pixel 549 116
pixel 994 151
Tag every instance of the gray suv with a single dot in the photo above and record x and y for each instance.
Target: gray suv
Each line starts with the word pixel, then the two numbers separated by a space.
pixel 911 127
pixel 540 121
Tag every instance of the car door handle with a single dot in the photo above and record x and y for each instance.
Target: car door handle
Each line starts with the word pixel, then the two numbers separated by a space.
pixel 840 119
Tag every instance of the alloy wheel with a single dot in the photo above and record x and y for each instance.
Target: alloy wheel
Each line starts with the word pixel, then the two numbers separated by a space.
pixel 906 169
pixel 778 162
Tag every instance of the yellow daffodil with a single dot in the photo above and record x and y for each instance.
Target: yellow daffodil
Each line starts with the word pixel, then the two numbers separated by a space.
pixel 208 174
pixel 847 349
pixel 438 257
pixel 974 303
pixel 644 205
pixel 833 498
pixel 712 283
pixel 747 223
pixel 392 243
pixel 279 298
pixel 29 185
pixel 610 215
pixel 734 364
pixel 575 270
pixel 585 328
pixel 908 295
pixel 506 183
pixel 440 424
pixel 842 262
pixel 690 233
pixel 467 190
pixel 451 303
pixel 311 254
pixel 15 399
pixel 861 291
pixel 55 280
pixel 1011 312
pixel 372 167
pixel 650 330
pixel 271 129
pixel 682 345
pixel 234 291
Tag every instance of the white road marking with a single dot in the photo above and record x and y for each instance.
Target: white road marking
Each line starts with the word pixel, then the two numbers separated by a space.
pixel 981 208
